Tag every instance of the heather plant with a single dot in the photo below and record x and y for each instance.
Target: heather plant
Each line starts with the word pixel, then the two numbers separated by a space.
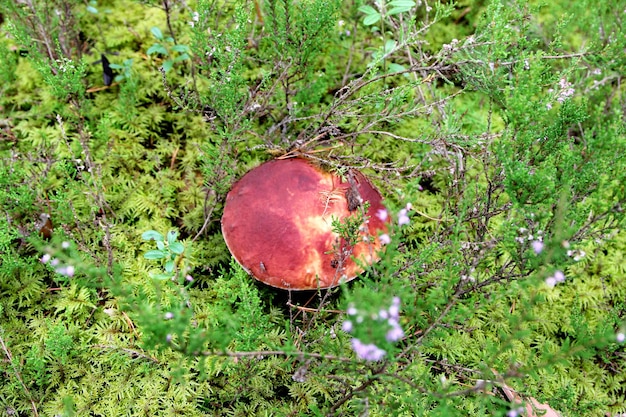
pixel 495 131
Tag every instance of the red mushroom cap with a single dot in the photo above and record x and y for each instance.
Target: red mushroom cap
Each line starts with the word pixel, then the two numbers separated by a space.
pixel 277 223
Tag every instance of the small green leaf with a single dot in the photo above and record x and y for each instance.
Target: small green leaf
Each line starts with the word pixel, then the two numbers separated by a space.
pixel 395 68
pixel 180 48
pixel 368 10
pixel 177 248
pixel 160 245
pixel 402 3
pixel 167 65
pixel 390 45
pixel 169 266
pixel 371 19
pixel 157 48
pixel 171 237
pixel 161 277
pixel 150 234
pixel 157 33
pixel 183 57
pixel 154 254
pixel 397 10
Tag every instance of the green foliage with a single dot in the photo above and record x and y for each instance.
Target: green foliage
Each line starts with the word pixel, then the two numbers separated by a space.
pixel 494 129
pixel 391 8
pixel 166 46
pixel 169 250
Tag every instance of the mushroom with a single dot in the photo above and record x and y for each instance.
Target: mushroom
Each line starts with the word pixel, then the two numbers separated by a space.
pixel 278 224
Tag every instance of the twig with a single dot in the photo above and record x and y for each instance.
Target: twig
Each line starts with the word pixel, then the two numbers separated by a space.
pixel 262 353
pixel 7 352
pixel 360 388
pixel 131 352
pixel 313 310
pixel 432 218
pixel 166 7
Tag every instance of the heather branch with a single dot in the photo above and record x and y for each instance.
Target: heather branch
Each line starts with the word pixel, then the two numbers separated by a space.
pixel 7 353
pixel 261 353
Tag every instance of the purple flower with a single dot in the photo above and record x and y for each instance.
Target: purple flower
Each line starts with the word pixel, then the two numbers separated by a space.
pixel 537 246
pixel 384 239
pixel 368 352
pixel 46 258
pixel 382 214
pixel 68 271
pixel 516 412
pixel 559 276
pixel 394 311
pixel 347 326
pixel 403 218
pixel 169 315
pixel 395 333
pixel 620 337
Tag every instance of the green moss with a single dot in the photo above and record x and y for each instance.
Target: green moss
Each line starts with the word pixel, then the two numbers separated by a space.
pixel 482 136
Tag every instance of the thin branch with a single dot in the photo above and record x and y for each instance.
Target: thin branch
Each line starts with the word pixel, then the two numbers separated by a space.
pixel 131 352
pixel 262 353
pixel 7 352
pixel 313 310
pixel 360 388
